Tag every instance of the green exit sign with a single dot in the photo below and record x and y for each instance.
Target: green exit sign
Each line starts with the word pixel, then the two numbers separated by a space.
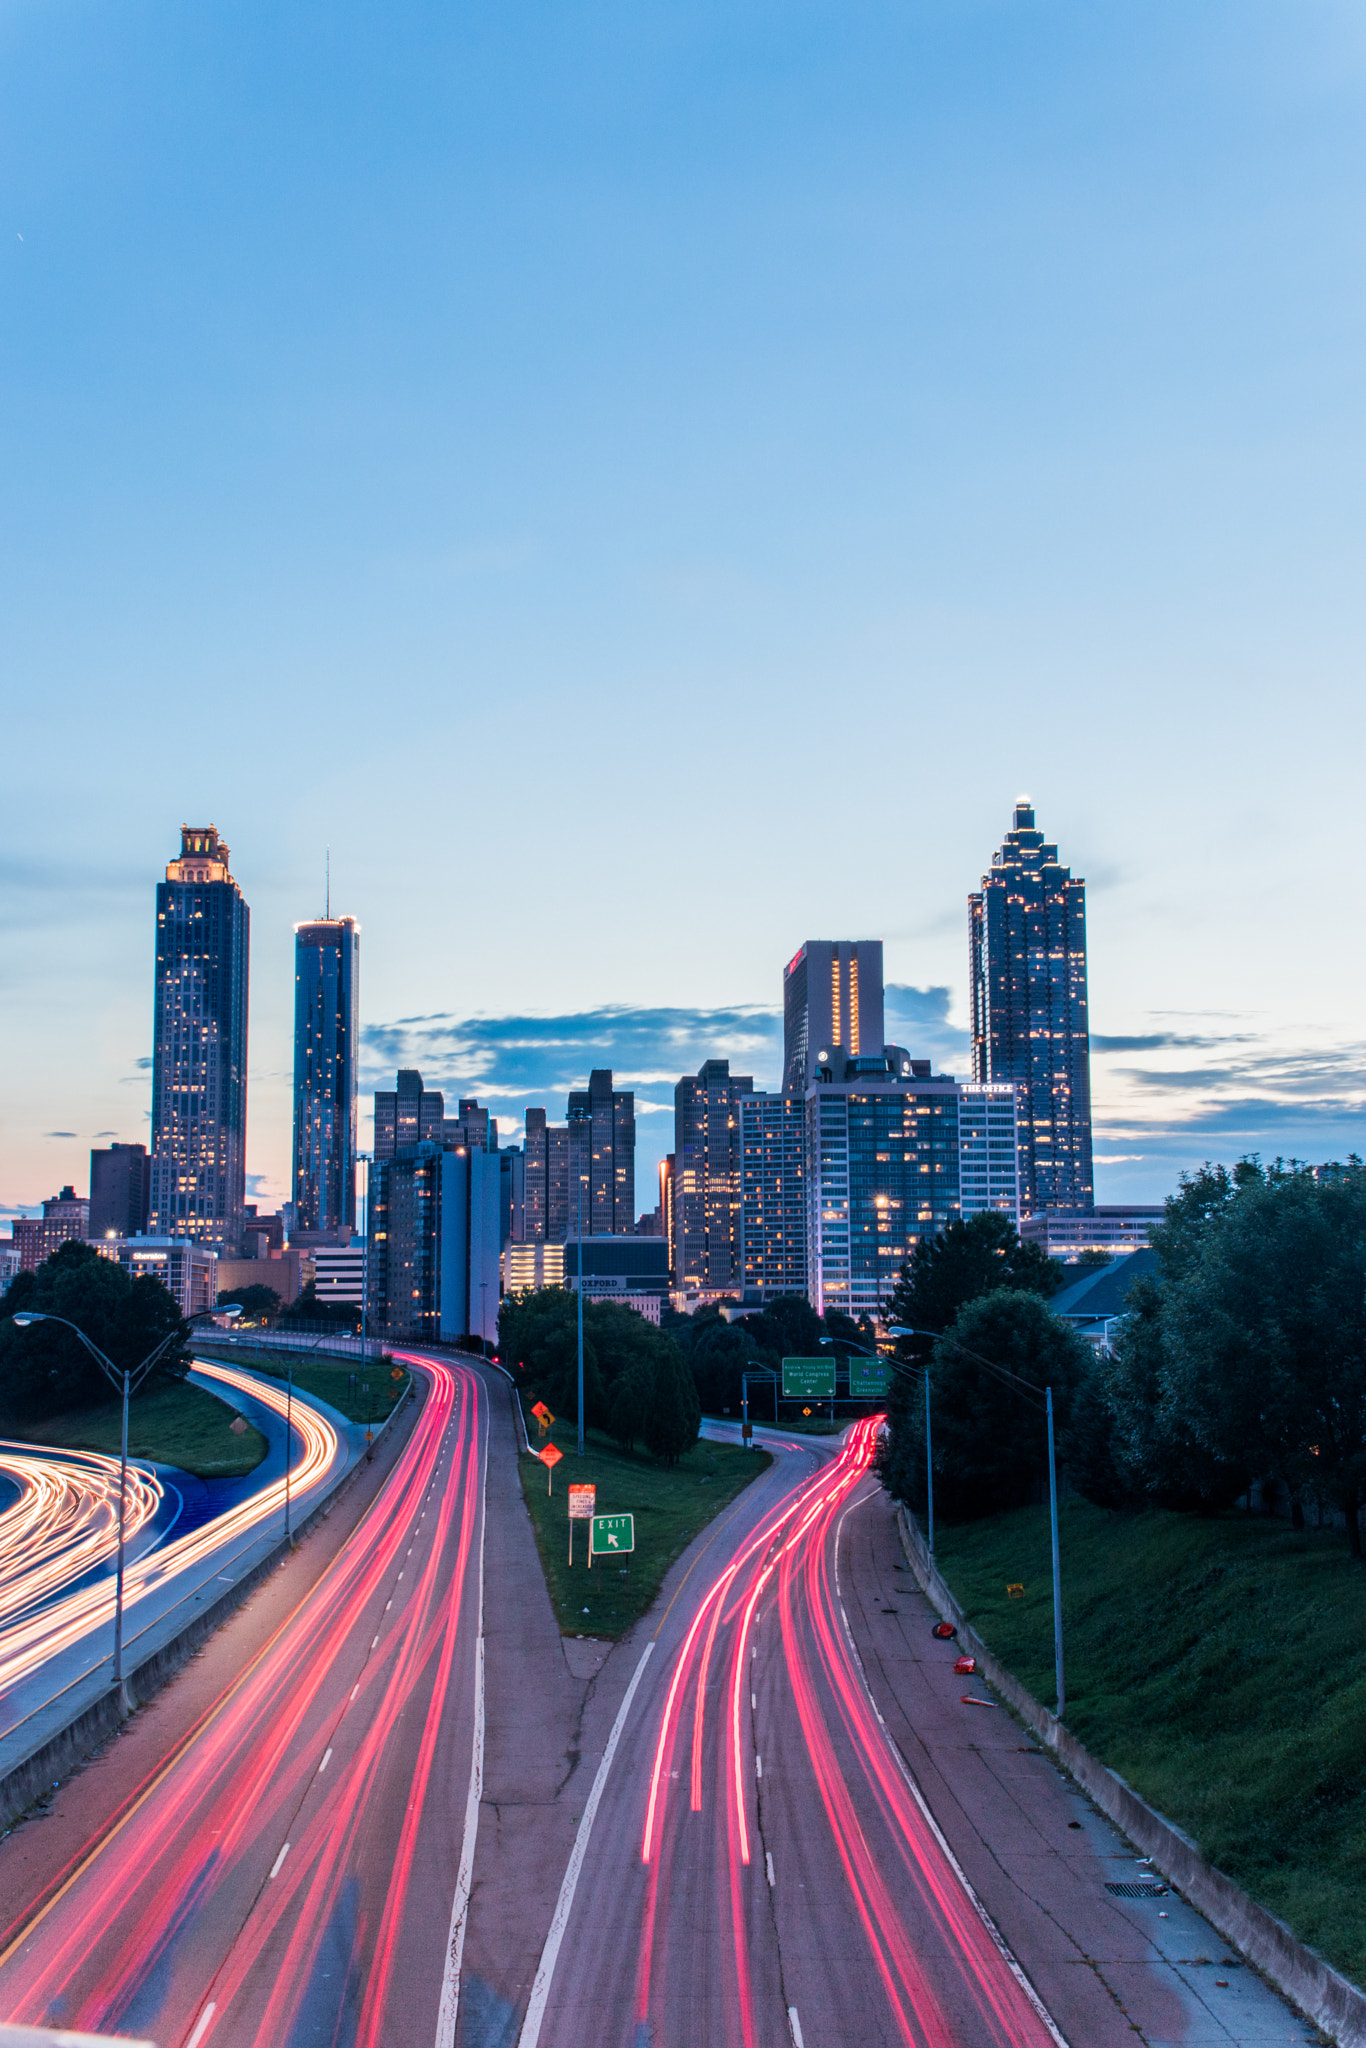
pixel 808 1379
pixel 612 1535
pixel 869 1378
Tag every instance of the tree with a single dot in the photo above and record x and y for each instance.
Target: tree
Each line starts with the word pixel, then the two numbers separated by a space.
pixel 257 1303
pixel 943 1274
pixel 306 1308
pixel 674 1414
pixel 1088 1261
pixel 990 1435
pixel 45 1370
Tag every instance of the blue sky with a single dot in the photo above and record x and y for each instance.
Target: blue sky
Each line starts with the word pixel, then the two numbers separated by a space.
pixel 648 485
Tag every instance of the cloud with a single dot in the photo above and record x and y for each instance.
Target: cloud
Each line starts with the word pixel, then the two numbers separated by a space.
pixel 106 1134
pixel 1154 1041
pixel 60 1134
pixel 143 1065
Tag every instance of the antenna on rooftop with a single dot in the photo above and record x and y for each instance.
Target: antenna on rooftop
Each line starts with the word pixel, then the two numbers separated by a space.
pixel 327 913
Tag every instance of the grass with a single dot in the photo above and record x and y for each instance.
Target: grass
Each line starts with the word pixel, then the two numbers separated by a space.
pixel 670 1505
pixel 337 1381
pixel 1220 1667
pixel 176 1425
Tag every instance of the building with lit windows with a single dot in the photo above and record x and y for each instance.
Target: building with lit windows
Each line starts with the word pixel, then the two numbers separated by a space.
pixel 199 1048
pixel 988 1174
pixel 65 1217
pixel 435 1223
pixel 772 1195
pixel 581 1175
pixel 705 1182
pixel 832 1008
pixel 186 1269
pixel 1027 976
pixel 326 1056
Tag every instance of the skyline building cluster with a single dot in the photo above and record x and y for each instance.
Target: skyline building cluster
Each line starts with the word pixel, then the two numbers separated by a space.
pixel 822 1187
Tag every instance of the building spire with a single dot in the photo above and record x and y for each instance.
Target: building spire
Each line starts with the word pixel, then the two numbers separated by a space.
pixel 327 901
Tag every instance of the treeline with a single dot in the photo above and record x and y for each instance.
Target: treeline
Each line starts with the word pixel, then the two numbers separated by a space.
pixel 44 1369
pixel 636 1382
pixel 1239 1364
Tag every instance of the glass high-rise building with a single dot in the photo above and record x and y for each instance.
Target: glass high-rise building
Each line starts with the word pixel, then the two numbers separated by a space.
pixel 1027 973
pixel 199 1048
pixel 832 1008
pixel 326 1055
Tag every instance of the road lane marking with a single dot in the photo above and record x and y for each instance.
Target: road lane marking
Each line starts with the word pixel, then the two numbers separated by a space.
pixel 448 2006
pixel 278 1864
pixel 201 2026
pixel 768 1866
pixel 796 2026
pixel 754 1702
pixel 327 1758
pixel 375 1644
pixel 998 1939
pixel 540 1990
pixel 356 1687
pixel 758 1765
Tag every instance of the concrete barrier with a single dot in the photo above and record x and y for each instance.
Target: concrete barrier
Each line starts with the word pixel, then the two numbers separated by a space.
pixel 1326 1997
pixel 40 1773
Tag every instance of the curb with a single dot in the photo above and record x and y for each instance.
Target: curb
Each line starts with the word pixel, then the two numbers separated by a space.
pixel 1320 1992
pixel 28 1781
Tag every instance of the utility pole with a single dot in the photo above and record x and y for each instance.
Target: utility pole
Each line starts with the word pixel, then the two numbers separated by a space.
pixel 579 1181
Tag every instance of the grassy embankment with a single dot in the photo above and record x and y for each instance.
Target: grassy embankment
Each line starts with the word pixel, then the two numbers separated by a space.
pixel 175 1425
pixel 670 1505
pixel 338 1381
pixel 1220 1667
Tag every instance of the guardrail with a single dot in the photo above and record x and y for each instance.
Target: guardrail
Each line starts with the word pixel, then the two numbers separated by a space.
pixel 292 1340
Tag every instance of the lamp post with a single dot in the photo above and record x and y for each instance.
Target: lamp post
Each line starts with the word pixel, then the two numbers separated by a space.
pixel 284 1356
pixel 1022 1387
pixel 128 1379
pixel 579 1184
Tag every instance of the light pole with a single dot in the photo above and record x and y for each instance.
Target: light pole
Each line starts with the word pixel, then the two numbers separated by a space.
pixel 285 1357
pixel 897 1330
pixel 128 1379
pixel 1026 1387
pixel 579 1183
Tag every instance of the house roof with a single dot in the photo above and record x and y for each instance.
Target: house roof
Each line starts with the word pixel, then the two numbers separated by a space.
pixel 1104 1289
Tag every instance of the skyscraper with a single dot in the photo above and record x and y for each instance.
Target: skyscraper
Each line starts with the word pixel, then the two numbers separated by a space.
pixel 120 1191
pixel 326 1053
pixel 708 1155
pixel 199 1047
pixel 832 1008
pixel 588 1163
pixel 1027 973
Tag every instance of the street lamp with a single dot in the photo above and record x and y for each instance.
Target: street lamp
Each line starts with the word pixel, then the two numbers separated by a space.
pixel 898 1330
pixel 286 1358
pixel 1023 1387
pixel 129 1379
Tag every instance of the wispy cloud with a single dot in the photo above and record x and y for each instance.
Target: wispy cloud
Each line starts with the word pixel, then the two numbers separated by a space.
pixel 60 1134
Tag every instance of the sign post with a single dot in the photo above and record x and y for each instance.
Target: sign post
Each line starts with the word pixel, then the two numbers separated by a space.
pixel 611 1535
pixel 550 1458
pixel 581 1502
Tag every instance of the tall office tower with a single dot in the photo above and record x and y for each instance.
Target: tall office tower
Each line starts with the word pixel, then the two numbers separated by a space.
pixel 473 1128
pixel 199 1048
pixel 773 1195
pixel 706 1181
pixel 832 1008
pixel 408 1115
pixel 536 1192
pixel 326 1058
pixel 606 1119
pixel 1027 971
pixel 988 1149
pixel 120 1191
pixel 65 1216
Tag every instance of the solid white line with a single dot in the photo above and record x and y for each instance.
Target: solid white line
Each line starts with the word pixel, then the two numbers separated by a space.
pixel 540 1990
pixel 327 1758
pixel 201 2026
pixel 448 2006
pixel 1002 1947
pixel 796 2026
pixel 277 1865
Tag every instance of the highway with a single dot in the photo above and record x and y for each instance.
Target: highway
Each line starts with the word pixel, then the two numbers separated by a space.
pixel 296 1870
pixel 64 1522
pixel 765 1867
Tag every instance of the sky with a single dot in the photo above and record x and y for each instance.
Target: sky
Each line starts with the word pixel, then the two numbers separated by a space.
pixel 645 486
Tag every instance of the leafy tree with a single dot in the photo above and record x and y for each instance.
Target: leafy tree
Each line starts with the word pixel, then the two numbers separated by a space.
pixel 1087 1261
pixel 674 1415
pixel 719 1355
pixel 945 1273
pixel 990 1434
pixel 786 1327
pixel 306 1308
pixel 45 1370
pixel 1156 1452
pixel 257 1303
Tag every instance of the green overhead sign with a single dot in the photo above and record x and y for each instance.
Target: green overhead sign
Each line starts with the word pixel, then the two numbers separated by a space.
pixel 869 1378
pixel 808 1379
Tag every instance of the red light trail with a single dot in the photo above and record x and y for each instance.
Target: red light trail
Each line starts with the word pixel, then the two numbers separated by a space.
pixel 268 1870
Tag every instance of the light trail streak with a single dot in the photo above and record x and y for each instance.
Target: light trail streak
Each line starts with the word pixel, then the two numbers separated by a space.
pixel 65 1522
pixel 34 1638
pixel 203 1840
pixel 898 1873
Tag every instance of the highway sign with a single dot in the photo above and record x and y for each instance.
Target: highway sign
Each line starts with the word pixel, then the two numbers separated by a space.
pixel 611 1533
pixel 808 1379
pixel 868 1378
pixel 581 1499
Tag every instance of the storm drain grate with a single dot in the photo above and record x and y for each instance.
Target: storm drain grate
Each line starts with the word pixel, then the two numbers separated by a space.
pixel 1138 1891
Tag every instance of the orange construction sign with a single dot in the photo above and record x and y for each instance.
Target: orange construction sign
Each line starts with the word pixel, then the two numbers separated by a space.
pixel 550 1456
pixel 542 1413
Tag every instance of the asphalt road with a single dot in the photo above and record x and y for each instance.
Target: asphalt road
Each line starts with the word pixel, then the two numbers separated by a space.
pixel 294 1873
